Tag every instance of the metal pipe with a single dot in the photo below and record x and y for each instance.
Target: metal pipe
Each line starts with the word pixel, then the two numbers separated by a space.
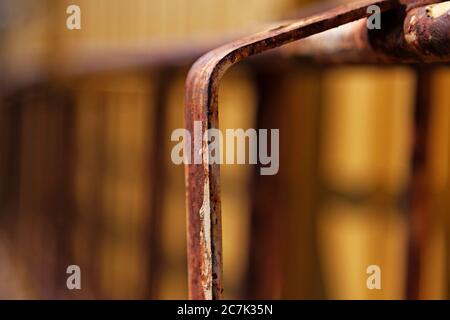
pixel 201 104
pixel 422 37
pixel 419 190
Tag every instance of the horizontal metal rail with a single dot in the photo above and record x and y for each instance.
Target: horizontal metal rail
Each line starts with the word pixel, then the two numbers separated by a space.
pixel 351 43
pixel 423 37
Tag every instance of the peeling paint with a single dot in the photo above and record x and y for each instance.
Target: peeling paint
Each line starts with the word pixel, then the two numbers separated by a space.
pixel 411 37
pixel 205 238
pixel 437 10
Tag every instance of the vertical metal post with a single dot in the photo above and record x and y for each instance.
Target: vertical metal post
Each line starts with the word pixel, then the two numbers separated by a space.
pixel 418 193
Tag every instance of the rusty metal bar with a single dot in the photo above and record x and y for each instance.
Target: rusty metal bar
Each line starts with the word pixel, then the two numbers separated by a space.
pixel 423 37
pixel 157 173
pixel 202 180
pixel 418 193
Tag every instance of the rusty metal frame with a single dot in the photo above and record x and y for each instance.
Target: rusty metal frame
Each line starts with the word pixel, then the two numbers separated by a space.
pixel 201 104
pixel 418 34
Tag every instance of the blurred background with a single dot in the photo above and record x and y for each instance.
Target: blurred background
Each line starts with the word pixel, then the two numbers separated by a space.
pixel 86 176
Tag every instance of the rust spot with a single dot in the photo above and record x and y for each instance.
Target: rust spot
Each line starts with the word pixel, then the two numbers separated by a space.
pixel 437 10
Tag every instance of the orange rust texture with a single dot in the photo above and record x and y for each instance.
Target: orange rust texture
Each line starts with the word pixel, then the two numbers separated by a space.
pixel 202 180
pixel 422 37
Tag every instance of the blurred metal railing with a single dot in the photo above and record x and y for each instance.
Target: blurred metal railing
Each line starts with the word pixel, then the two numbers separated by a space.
pixel 412 32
